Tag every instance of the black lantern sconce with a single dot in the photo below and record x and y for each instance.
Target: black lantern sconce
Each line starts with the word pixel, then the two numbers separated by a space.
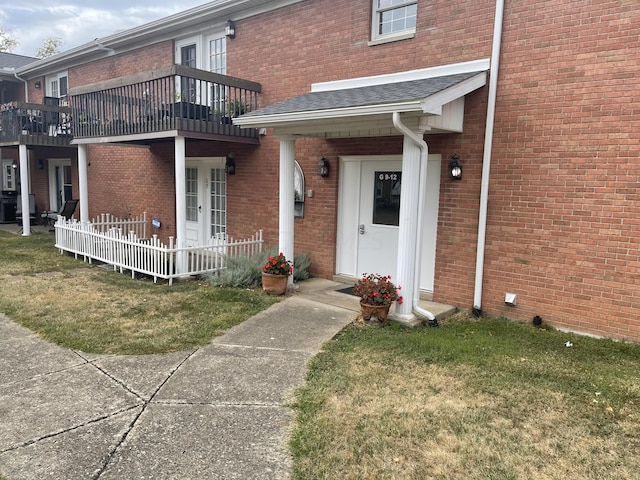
pixel 231 163
pixel 40 164
pixel 323 167
pixel 230 29
pixel 455 168
pixel 14 165
pixel 38 85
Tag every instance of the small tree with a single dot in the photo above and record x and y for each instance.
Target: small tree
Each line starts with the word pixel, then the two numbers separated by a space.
pixel 50 47
pixel 7 41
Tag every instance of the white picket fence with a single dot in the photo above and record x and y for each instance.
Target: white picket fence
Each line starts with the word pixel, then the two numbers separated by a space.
pixel 125 250
pixel 138 225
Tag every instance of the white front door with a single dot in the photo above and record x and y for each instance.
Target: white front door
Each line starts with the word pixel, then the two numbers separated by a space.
pixel 368 217
pixel 60 183
pixel 206 200
pixel 378 217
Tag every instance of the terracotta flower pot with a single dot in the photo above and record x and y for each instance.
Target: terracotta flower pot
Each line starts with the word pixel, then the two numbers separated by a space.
pixel 274 284
pixel 379 311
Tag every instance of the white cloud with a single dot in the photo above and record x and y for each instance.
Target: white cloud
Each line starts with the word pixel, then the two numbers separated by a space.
pixel 76 23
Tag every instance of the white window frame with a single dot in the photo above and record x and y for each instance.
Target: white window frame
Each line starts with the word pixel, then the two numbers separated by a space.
pixel 203 62
pixel 9 175
pixel 378 38
pixel 53 84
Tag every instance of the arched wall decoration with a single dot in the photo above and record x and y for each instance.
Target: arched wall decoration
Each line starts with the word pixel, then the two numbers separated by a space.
pixel 298 182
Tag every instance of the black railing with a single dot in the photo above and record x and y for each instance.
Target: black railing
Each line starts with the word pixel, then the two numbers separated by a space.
pixel 169 99
pixel 34 123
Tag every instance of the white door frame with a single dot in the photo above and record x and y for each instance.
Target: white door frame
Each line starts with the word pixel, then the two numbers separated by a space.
pixel 55 179
pixel 348 238
pixel 204 166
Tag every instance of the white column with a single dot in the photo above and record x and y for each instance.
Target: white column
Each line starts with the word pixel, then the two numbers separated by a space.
pixel 287 196
pixel 181 202
pixel 82 180
pixel 24 190
pixel 408 230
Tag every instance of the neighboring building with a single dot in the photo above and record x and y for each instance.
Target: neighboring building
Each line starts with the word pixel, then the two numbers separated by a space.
pixel 11 90
pixel 547 140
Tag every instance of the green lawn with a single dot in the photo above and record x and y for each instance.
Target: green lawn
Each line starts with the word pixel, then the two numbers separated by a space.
pixel 489 399
pixel 96 310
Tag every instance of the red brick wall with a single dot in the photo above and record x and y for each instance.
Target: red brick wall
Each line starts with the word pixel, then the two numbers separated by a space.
pixel 136 61
pixel 563 218
pixel 125 181
pixel 562 221
pixel 563 210
pixel 295 50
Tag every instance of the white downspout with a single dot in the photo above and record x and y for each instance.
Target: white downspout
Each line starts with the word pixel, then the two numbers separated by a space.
pixel 26 87
pixel 486 159
pixel 424 151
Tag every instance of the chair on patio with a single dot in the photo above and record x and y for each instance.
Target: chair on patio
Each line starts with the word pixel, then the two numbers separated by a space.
pixel 66 211
pixel 33 214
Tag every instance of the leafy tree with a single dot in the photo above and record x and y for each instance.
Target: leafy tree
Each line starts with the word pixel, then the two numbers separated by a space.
pixel 50 47
pixel 7 41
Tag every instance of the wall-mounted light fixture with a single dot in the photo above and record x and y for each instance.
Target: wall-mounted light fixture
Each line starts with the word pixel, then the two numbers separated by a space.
pixel 455 167
pixel 230 29
pixel 323 167
pixel 40 164
pixel 14 165
pixel 38 85
pixel 231 163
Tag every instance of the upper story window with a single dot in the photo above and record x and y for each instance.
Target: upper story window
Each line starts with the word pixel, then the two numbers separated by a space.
pixel 57 85
pixel 218 55
pixel 206 53
pixel 393 20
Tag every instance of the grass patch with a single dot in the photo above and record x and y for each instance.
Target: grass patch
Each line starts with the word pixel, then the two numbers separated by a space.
pixel 99 311
pixel 33 254
pixel 472 399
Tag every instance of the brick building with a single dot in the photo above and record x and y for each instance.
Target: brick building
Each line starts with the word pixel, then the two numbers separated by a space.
pixel 536 101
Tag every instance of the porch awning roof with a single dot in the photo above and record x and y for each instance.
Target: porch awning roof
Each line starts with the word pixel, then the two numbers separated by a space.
pixel 435 103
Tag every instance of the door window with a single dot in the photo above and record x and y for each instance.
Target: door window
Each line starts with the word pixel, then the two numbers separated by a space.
pixel 192 194
pixel 218 203
pixel 8 175
pixel 386 202
pixel 188 59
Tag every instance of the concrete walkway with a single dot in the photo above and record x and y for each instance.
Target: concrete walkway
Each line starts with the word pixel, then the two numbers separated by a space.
pixel 217 412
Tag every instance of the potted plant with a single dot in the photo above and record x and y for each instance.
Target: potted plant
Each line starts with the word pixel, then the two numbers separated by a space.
pixel 377 293
pixel 275 274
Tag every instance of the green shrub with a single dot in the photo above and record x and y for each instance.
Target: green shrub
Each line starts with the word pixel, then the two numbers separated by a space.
pixel 245 272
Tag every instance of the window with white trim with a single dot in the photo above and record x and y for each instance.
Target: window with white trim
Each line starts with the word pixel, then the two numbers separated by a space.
pixel 393 18
pixel 57 85
pixel 8 175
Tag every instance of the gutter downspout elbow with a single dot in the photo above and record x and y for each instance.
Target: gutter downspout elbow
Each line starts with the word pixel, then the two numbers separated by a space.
pixel 26 86
pixel 424 150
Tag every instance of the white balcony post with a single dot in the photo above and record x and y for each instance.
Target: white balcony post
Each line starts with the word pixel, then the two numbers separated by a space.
pixel 287 197
pixel 82 180
pixel 181 202
pixel 408 230
pixel 24 190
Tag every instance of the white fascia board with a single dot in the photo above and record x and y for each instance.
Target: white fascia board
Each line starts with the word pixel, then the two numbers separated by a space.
pixel 421 74
pixel 163 29
pixel 433 103
pixel 334 113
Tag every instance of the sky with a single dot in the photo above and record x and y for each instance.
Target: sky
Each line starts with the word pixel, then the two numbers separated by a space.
pixel 78 22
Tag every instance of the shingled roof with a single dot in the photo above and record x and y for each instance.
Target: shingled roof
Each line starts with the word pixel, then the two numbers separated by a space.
pixel 399 92
pixel 10 60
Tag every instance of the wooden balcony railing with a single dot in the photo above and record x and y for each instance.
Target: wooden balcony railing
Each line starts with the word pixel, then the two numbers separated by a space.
pixel 175 98
pixel 35 124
